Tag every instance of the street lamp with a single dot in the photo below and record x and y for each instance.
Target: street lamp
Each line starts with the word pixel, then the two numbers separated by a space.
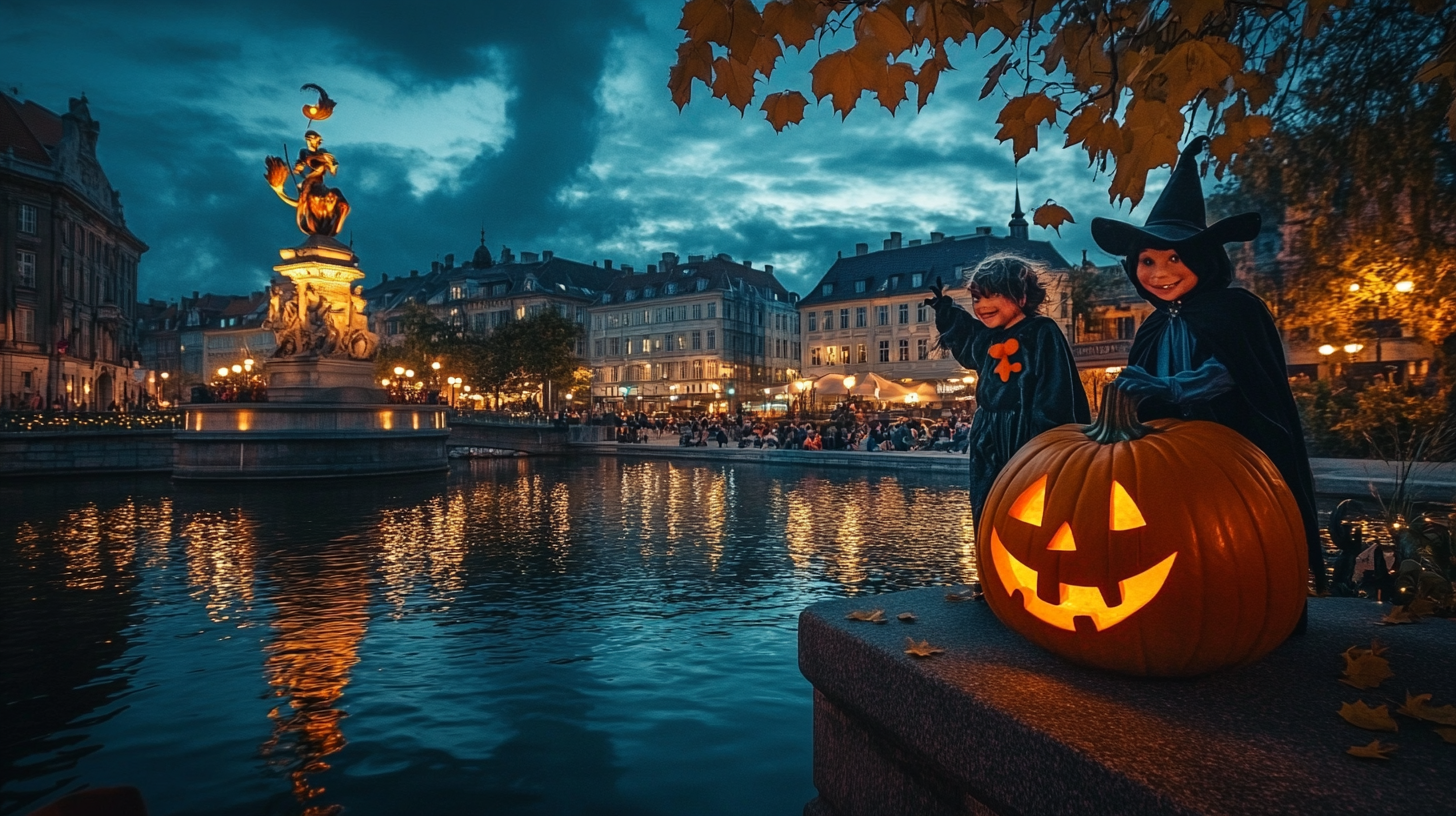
pixel 399 371
pixel 1351 348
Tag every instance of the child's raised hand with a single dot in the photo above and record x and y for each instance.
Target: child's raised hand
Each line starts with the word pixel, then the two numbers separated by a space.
pixel 938 297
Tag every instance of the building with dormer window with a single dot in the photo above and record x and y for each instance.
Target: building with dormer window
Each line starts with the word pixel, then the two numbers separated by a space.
pixel 68 265
pixel 708 334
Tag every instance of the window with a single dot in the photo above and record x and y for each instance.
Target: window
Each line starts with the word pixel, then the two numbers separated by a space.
pixel 669 289
pixel 904 313
pixel 844 354
pixel 922 313
pixel 882 315
pixel 478 322
pixel 697 311
pixel 813 321
pixel 831 355
pixel 599 348
pixel 697 369
pixel 27 219
pixel 682 313
pixel 814 356
pixel 24 324
pixel 656 343
pixel 843 318
pixel 828 320
pixel 884 351
pixel 904 351
pixel 630 294
pixel 712 310
pixel 498 289
pixel 861 285
pixel 826 289
pixel 606 298
pixel 797 351
pixel 614 346
pixel 712 339
pixel 25 261
pixel 649 292
pixel 922 349
pixel 697 340
pixel 859 353
pixel 859 317
pixel 917 280
pixel 702 284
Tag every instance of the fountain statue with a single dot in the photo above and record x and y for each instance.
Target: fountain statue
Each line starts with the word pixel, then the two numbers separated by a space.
pixel 325 414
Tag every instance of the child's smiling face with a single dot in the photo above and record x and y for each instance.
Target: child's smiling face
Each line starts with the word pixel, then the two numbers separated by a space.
pixel 996 310
pixel 1161 271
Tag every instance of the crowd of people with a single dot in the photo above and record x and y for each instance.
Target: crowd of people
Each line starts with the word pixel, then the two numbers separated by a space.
pixel 846 429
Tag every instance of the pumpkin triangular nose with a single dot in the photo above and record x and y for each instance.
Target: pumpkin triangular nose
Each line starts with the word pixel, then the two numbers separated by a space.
pixel 1063 541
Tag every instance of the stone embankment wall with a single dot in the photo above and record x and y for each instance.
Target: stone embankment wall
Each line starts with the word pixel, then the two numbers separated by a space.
pixel 83 452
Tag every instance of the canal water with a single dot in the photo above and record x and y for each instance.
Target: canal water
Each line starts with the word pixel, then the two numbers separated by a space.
pixel 515 637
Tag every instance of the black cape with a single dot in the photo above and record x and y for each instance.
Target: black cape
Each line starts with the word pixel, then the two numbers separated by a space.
pixel 1236 327
pixel 1012 406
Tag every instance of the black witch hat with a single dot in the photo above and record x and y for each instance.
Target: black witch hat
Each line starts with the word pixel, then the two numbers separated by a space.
pixel 1178 220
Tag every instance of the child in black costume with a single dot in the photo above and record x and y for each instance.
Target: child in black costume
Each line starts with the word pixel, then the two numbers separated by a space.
pixel 1028 381
pixel 1209 351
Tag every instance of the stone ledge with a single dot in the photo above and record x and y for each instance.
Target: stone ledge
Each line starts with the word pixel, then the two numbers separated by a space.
pixel 996 725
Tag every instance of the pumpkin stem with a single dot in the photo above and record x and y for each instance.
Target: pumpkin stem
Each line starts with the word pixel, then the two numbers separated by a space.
pixel 1117 421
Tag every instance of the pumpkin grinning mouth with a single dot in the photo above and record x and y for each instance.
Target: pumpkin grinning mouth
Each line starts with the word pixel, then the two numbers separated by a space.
pixel 1077 601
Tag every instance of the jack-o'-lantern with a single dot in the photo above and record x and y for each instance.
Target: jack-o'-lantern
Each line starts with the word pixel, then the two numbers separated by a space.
pixel 1168 549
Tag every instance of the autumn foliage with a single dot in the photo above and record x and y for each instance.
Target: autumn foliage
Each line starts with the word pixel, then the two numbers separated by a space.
pixel 1126 79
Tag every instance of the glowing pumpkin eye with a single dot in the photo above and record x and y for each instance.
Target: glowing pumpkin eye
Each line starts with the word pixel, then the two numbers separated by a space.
pixel 1125 513
pixel 1029 506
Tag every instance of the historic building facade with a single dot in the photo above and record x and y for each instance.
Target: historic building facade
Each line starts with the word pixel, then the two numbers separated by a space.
pixel 867 314
pixel 68 265
pixel 705 334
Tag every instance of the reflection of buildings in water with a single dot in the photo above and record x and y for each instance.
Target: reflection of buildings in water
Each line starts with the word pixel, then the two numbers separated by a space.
pixel 423 544
pixel 69 598
pixel 321 618
pixel 220 548
pixel 695 504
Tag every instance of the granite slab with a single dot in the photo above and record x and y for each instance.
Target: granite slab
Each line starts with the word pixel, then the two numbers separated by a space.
pixel 996 725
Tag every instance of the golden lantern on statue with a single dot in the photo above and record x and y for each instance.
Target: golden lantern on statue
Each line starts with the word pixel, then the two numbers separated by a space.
pixel 1167 549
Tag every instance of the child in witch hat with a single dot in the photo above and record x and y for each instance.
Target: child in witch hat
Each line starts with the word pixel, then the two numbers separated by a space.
pixel 1209 351
pixel 1028 380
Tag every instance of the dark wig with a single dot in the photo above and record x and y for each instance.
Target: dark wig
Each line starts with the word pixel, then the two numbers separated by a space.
pixel 1012 276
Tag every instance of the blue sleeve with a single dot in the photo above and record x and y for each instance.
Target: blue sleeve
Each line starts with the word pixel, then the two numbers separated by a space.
pixel 1202 383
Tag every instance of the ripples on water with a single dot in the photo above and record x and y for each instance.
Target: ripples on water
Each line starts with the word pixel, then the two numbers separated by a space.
pixel 518 637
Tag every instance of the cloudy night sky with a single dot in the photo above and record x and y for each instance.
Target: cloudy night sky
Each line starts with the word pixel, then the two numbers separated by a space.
pixel 552 129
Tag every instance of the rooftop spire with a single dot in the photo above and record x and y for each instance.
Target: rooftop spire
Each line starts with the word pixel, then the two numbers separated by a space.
pixel 1018 223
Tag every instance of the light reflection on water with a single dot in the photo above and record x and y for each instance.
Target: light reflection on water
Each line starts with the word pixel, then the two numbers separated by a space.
pixel 535 636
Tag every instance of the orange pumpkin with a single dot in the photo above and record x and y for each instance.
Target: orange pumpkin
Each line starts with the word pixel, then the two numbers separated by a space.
pixel 1166 549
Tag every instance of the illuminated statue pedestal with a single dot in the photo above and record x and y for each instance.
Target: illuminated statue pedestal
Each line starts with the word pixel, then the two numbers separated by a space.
pixel 996 725
pixel 299 440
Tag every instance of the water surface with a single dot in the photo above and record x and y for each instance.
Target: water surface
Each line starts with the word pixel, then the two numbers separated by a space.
pixel 518 637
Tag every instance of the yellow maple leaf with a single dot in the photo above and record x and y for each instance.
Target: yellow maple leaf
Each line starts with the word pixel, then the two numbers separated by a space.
pixel 1375 750
pixel 921 649
pixel 1020 119
pixel 867 615
pixel 1364 669
pixel 1189 68
pixel 1399 615
pixel 1416 708
pixel 1052 215
pixel 1371 719
pixel 1447 734
pixel 784 109
pixel 906 617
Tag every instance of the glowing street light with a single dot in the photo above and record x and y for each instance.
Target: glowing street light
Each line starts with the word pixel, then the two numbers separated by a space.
pixel 410 373
pixel 435 365
pixel 222 372
pixel 1405 287
pixel 1351 348
pixel 399 371
pixel 1327 349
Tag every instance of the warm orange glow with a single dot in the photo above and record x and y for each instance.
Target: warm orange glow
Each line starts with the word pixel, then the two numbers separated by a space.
pixel 245 420
pixel 1031 504
pixel 1125 513
pixel 1405 286
pixel 1063 540
pixel 416 418
pixel 1076 601
pixel 386 420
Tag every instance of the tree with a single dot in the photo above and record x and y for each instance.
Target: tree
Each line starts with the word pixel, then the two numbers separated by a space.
pixel 1125 76
pixel 1360 177
pixel 520 354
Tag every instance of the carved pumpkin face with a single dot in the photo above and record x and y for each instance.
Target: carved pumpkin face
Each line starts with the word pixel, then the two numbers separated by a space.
pixel 1174 554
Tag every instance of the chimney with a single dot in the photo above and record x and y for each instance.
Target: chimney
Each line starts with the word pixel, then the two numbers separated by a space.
pixel 414 273
pixel 627 269
pixel 861 249
pixel 669 260
pixel 450 261
pixel 384 278
pixel 528 257
pixel 914 242
pixel 434 267
pixel 768 268
pixel 893 242
pixel 747 264
pixel 937 237
pixel 196 295
pixel 696 258
pixel 652 269
pixel 983 230
pixel 547 254
pixel 607 263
